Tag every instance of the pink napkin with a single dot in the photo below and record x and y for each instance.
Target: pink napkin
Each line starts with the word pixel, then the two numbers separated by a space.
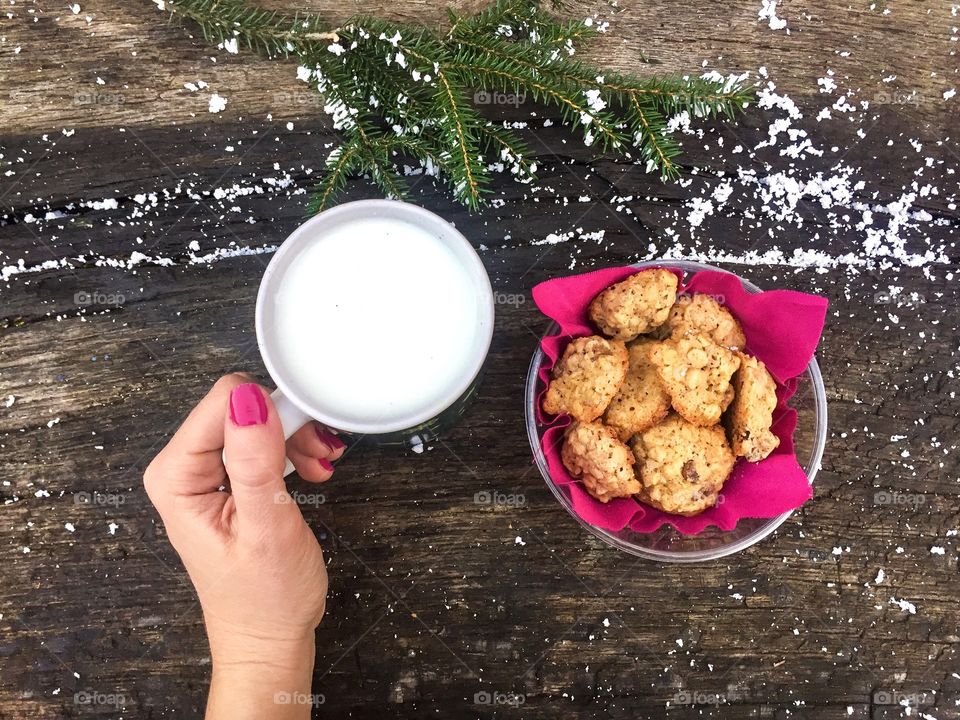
pixel 782 327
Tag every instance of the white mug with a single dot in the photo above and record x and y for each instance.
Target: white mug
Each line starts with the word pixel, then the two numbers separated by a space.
pixel 362 225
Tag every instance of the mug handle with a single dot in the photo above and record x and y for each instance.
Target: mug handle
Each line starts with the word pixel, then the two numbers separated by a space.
pixel 292 419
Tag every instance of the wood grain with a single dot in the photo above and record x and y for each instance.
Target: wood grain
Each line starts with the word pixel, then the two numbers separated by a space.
pixel 433 598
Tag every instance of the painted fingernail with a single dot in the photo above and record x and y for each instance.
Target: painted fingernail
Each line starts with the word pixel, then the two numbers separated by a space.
pixel 326 465
pixel 247 406
pixel 329 439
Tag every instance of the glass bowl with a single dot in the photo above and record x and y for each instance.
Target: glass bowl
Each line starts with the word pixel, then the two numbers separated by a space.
pixel 666 544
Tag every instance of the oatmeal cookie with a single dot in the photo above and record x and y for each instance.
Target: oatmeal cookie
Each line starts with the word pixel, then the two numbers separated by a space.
pixel 593 453
pixel 642 401
pixel 681 466
pixel 702 314
pixel 635 306
pixel 586 377
pixel 751 412
pixel 696 373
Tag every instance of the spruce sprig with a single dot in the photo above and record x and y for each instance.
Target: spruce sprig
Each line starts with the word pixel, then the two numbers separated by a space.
pixel 398 91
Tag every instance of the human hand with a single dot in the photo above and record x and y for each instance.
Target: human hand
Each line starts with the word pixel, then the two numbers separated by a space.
pixel 256 565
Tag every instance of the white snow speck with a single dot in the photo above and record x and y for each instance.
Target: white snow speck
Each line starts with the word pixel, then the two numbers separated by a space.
pixel 904 605
pixel 699 209
pixel 217 103
pixel 722 192
pixel 768 11
pixel 827 85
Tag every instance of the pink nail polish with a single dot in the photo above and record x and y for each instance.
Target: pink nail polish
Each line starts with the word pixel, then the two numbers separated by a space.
pixel 247 406
pixel 326 465
pixel 329 439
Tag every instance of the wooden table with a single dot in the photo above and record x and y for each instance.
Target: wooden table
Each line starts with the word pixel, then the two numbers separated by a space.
pixel 115 175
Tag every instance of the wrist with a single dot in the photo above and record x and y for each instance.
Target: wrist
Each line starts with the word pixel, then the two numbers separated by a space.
pixel 255 677
pixel 232 649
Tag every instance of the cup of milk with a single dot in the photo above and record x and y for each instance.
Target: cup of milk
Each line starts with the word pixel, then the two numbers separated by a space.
pixel 374 318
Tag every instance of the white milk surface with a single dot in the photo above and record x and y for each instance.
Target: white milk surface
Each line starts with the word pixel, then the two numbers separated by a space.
pixel 374 321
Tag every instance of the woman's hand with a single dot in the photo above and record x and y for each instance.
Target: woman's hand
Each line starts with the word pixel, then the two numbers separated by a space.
pixel 256 565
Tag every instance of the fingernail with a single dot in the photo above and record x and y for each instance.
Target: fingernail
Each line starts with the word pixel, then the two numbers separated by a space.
pixel 329 439
pixel 326 465
pixel 247 406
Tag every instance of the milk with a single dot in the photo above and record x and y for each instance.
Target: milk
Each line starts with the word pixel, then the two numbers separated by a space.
pixel 375 320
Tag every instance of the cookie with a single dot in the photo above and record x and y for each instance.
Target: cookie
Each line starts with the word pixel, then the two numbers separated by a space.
pixel 593 453
pixel 635 306
pixel 681 466
pixel 642 400
pixel 751 412
pixel 585 379
pixel 696 373
pixel 693 314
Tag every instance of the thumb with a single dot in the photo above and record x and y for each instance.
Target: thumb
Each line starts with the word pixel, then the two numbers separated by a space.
pixel 255 456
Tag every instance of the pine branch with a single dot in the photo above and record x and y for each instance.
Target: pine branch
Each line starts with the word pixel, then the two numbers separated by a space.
pixel 520 20
pixel 697 96
pixel 455 118
pixel 264 31
pixel 509 149
pixel 463 132
pixel 656 147
pixel 398 90
pixel 485 70
pixel 339 164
